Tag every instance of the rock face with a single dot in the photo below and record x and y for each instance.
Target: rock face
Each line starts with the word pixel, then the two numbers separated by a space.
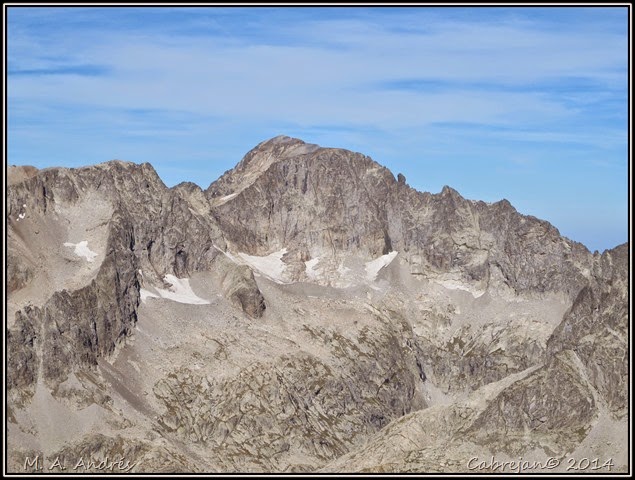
pixel 151 232
pixel 17 174
pixel 306 312
pixel 332 202
pixel 508 419
pixel 239 286
pixel 76 328
pixel 299 411
pixel 596 327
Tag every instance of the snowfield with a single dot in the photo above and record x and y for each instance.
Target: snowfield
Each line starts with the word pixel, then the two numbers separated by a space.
pixel 82 250
pixel 374 266
pixel 179 291
pixel 270 265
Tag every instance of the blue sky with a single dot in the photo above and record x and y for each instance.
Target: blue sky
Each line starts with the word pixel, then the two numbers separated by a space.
pixel 528 104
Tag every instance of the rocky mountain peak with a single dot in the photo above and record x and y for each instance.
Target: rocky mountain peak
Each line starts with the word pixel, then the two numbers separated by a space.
pixel 19 173
pixel 280 139
pixel 256 162
pixel 307 311
pixel 447 190
pixel 321 203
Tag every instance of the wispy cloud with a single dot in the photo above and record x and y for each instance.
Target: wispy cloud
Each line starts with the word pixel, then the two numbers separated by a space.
pixel 458 70
pixel 80 70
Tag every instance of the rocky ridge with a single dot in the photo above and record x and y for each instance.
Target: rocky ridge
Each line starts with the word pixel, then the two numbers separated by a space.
pixel 307 311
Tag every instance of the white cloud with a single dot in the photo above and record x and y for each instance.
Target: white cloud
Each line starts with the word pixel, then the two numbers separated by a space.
pixel 314 83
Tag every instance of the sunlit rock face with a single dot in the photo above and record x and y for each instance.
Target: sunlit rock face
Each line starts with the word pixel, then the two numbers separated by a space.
pixel 307 312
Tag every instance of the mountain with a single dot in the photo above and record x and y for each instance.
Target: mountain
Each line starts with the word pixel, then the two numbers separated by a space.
pixel 307 312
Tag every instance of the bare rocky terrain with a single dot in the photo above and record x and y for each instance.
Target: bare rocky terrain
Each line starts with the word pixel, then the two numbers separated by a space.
pixel 307 312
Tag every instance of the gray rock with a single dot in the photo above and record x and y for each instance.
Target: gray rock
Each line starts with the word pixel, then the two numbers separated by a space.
pixel 286 193
pixel 596 327
pixel 458 346
pixel 239 286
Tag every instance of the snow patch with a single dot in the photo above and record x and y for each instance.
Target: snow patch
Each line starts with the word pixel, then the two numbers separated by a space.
pixel 82 250
pixel 22 215
pixel 145 294
pixel 179 291
pixel 374 266
pixel 311 272
pixel 227 254
pixel 231 257
pixel 454 285
pixel 270 265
